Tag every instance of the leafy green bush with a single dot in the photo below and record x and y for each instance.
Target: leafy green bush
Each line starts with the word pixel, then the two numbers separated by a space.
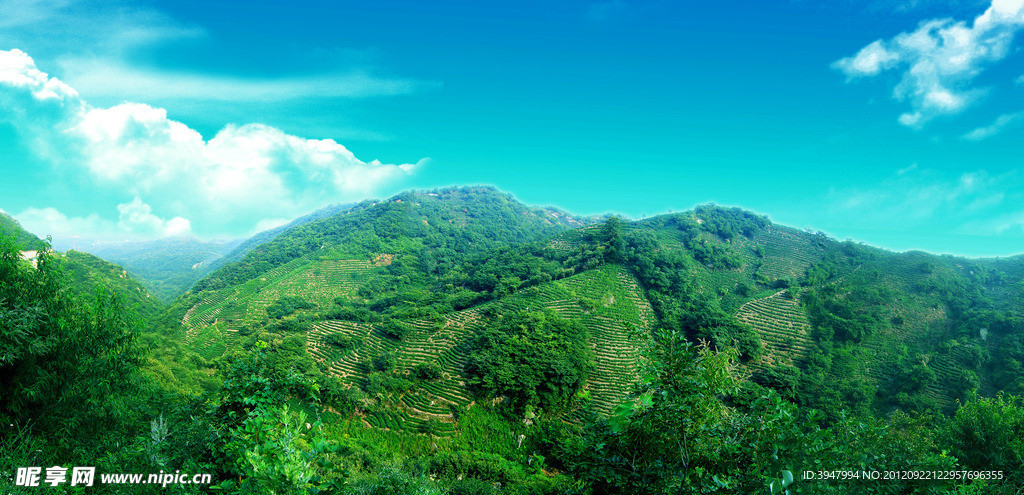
pixel 384 362
pixel 531 359
pixel 342 341
pixel 427 371
pixel 394 329
pixel 288 305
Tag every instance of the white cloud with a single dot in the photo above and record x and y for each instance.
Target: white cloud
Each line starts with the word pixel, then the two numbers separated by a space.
pixel 940 59
pixel 50 221
pixel 869 61
pixel 18 71
pixel 270 223
pixel 138 217
pixel 224 185
pixel 1001 123
pixel 914 196
pixel 111 78
pixel 110 26
pixel 98 46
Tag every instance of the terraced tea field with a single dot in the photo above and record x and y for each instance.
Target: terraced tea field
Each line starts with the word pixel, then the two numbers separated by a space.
pixel 786 252
pixel 784 329
pixel 317 281
pixel 608 301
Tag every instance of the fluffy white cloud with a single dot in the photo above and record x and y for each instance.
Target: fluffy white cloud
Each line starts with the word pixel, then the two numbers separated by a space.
pixel 138 217
pixel 51 222
pixel 224 185
pixel 1001 123
pixel 940 59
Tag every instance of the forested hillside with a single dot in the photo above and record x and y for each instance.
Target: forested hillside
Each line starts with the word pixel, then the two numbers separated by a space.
pixel 26 240
pixel 87 274
pixel 457 341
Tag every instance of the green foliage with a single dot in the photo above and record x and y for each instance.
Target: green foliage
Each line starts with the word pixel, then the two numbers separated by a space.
pixel 533 360
pixel 852 317
pixel 260 444
pixel 392 480
pixel 428 371
pixel 273 453
pixel 85 272
pixel 288 305
pixel 69 366
pixel 336 395
pixel 987 434
pixel 342 341
pixel 671 435
pixel 384 362
pixel 379 383
pixel 677 434
pixel 23 239
pixel 394 328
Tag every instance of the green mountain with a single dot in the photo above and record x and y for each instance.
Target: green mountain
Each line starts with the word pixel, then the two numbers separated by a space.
pixel 830 325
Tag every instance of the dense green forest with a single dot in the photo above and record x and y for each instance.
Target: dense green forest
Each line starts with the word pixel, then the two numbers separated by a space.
pixel 457 341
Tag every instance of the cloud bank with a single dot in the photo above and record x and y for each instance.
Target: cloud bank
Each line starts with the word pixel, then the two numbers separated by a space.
pixel 968 203
pixel 939 60
pixel 162 169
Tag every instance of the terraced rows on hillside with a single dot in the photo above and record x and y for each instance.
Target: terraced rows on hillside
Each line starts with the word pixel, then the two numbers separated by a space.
pixel 616 315
pixel 571 239
pixel 784 329
pixel 622 317
pixel 429 341
pixel 318 282
pixel 785 334
pixel 786 252
pixel 922 329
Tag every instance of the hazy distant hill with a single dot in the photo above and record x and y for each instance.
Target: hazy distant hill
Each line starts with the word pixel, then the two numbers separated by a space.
pixel 86 272
pixel 167 266
pixel 170 266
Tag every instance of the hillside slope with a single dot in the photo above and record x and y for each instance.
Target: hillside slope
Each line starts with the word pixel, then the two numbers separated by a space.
pixel 830 325
pixel 25 239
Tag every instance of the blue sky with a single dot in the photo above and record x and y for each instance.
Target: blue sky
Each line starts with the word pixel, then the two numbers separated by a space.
pixel 893 123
